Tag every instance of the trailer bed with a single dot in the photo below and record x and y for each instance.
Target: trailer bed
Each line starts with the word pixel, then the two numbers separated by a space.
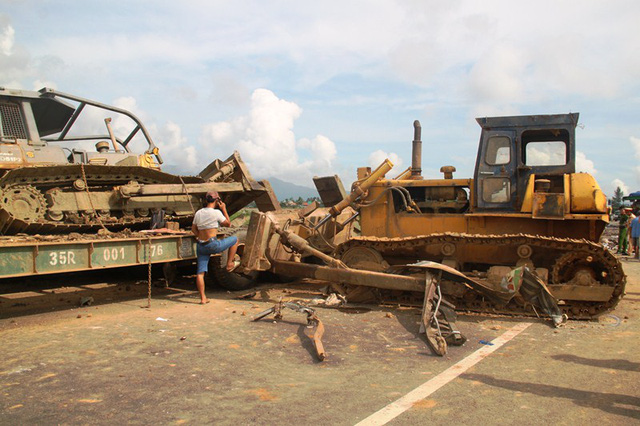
pixel 27 256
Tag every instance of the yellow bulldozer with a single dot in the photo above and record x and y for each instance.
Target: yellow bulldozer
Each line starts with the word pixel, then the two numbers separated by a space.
pixel 525 209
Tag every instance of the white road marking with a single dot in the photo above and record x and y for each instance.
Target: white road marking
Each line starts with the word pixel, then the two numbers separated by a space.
pixel 401 405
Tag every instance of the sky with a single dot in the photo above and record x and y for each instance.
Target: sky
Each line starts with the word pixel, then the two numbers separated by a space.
pixel 314 88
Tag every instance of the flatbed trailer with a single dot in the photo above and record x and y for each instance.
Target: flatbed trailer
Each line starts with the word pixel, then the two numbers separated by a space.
pixel 31 256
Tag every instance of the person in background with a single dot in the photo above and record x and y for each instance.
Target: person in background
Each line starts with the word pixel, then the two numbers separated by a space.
pixel 635 235
pixel 623 234
pixel 205 226
pixel 631 217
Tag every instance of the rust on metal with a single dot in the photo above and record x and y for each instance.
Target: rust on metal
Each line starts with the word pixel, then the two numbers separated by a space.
pixel 349 276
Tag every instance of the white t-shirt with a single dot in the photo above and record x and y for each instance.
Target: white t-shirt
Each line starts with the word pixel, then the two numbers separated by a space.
pixel 208 218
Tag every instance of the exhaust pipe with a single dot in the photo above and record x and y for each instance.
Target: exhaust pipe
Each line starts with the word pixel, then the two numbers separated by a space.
pixel 416 154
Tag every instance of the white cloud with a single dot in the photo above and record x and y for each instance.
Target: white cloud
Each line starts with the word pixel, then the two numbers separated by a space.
pixel 323 151
pixel 583 164
pixel 6 40
pixel 377 157
pixel 39 84
pixel 499 74
pixel 267 143
pixel 175 150
pixel 617 183
pixel 635 143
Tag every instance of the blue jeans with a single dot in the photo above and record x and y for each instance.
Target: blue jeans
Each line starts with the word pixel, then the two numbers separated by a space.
pixel 212 246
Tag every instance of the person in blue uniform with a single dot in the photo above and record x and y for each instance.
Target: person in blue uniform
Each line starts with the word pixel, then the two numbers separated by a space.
pixel 635 235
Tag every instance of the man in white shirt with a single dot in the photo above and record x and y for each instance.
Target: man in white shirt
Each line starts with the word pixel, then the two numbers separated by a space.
pixel 205 226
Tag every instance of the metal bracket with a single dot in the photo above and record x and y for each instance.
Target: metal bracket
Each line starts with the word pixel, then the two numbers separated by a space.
pixel 313 322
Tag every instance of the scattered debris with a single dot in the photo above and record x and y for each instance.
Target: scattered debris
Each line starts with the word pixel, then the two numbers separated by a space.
pixel 615 318
pixel 314 325
pixel 334 299
pixel 161 319
pixel 86 301
pixel 246 296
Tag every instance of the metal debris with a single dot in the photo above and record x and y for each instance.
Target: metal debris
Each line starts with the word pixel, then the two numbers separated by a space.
pixel 438 319
pixel 314 325
pixel 86 301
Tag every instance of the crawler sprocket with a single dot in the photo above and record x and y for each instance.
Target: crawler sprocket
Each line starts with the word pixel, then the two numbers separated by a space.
pixel 23 202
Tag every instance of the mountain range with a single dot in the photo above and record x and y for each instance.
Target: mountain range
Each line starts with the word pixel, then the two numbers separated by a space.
pixel 286 190
pixel 282 189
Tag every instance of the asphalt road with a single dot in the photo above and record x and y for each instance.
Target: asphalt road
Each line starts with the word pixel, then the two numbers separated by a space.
pixel 117 361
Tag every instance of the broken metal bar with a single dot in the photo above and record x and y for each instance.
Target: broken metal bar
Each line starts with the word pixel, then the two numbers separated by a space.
pixel 316 339
pixel 348 276
pixel 312 321
pixel 429 324
pixel 438 318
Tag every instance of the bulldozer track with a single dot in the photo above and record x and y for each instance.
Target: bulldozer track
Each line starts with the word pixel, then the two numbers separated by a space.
pixel 548 252
pixel 98 178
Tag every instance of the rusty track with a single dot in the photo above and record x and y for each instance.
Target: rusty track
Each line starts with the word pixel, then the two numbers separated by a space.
pixel 552 253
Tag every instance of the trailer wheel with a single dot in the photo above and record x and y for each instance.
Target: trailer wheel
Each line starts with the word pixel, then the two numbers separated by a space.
pixel 232 280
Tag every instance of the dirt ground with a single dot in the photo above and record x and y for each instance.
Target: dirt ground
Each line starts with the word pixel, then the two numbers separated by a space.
pixel 177 362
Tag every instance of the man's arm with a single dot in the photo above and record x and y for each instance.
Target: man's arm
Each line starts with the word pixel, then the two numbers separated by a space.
pixel 223 208
pixel 194 229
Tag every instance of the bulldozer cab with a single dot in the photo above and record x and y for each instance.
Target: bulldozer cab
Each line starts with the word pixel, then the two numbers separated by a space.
pixel 45 127
pixel 513 149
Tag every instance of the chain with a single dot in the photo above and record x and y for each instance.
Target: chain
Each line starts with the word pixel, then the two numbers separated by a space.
pixel 86 188
pixel 149 272
pixel 184 186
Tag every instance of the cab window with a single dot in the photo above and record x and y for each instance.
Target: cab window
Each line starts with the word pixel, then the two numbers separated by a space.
pixel 496 190
pixel 550 153
pixel 547 147
pixel 498 151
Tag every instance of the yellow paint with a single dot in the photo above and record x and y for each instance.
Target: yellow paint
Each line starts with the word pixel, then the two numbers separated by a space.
pixel 146 160
pixel 527 202
pixel 46 376
pixel 89 401
pixel 13 407
pixel 425 404
pixel 293 339
pixel 263 394
pixel 567 194
pixel 586 195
